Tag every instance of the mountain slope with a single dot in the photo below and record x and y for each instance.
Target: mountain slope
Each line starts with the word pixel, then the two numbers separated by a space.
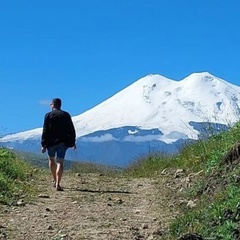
pixel 155 101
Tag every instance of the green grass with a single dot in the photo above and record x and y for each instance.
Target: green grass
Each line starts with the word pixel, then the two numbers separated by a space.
pixel 217 190
pixel 15 178
pixel 91 167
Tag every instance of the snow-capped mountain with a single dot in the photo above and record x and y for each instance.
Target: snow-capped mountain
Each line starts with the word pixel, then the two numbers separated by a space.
pixel 154 110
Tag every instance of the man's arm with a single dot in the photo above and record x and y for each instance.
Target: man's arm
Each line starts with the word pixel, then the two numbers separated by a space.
pixel 44 134
pixel 72 132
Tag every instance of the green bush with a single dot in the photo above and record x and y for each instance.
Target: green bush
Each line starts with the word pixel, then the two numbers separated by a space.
pixel 14 174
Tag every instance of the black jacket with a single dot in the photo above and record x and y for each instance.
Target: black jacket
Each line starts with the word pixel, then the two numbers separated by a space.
pixel 58 128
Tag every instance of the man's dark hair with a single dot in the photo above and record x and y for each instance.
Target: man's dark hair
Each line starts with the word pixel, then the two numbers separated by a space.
pixel 57 102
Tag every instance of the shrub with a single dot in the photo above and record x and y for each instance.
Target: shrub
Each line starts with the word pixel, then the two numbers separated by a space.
pixel 14 175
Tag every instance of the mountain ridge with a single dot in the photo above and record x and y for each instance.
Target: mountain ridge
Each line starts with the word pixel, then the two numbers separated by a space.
pixel 147 91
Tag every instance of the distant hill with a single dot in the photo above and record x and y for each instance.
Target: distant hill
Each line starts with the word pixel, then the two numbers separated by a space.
pixel 40 160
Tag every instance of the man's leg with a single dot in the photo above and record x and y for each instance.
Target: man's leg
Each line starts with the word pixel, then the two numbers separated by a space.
pixel 59 173
pixel 61 151
pixel 53 168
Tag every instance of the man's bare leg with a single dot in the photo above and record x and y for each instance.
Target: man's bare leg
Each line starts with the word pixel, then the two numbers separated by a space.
pixel 59 173
pixel 53 168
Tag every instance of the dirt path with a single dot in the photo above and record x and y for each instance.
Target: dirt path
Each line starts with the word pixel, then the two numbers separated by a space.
pixel 92 206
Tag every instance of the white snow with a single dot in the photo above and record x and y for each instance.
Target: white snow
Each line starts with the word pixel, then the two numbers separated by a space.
pixel 22 136
pixel 155 101
pixel 132 132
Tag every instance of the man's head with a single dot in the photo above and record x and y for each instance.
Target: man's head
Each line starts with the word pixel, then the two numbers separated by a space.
pixel 56 103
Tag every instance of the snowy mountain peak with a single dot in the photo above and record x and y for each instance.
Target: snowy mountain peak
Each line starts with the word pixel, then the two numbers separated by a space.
pixel 151 82
pixel 204 79
pixel 201 75
pixel 155 101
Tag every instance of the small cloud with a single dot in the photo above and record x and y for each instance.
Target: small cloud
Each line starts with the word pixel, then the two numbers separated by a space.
pixel 44 102
pixel 176 135
pixel 146 138
pixel 103 138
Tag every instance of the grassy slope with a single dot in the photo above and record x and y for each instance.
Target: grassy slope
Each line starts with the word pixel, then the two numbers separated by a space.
pixel 216 189
pixel 15 178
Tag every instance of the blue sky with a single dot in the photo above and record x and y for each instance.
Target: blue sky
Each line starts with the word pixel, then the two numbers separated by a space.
pixel 85 51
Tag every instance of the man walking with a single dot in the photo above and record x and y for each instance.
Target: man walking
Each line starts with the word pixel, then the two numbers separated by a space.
pixel 57 136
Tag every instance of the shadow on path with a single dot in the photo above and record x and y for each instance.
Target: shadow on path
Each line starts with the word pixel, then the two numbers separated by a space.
pixel 99 191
